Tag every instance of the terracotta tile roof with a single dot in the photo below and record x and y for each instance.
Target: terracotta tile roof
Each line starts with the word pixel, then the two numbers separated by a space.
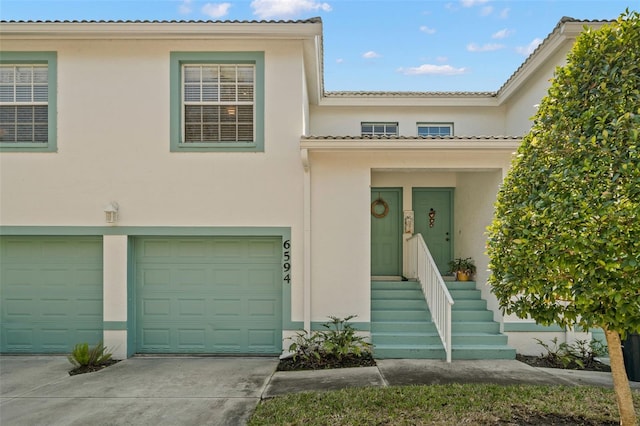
pixel 314 20
pixel 557 28
pixel 380 94
pixel 405 138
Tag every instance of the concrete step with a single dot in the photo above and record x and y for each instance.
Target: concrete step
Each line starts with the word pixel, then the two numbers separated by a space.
pixel 482 352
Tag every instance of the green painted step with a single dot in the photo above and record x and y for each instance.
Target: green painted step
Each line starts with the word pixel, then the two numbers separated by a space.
pixel 407 339
pixel 460 285
pixel 465 294
pixel 400 315
pixel 406 326
pixel 466 316
pixel 478 338
pixel 404 293
pixel 395 285
pixel 469 305
pixel 475 327
pixel 409 352
pixel 399 304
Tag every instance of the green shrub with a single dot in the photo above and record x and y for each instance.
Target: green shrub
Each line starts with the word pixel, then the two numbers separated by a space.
pixel 84 356
pixel 339 340
pixel 579 355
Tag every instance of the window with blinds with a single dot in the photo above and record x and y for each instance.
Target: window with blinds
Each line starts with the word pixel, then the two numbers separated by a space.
pixel 379 129
pixel 24 103
pixel 435 129
pixel 218 103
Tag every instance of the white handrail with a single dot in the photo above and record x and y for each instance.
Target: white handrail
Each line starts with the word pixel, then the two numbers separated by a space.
pixel 421 266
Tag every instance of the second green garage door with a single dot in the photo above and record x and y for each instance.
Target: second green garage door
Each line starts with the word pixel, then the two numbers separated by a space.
pixel 217 295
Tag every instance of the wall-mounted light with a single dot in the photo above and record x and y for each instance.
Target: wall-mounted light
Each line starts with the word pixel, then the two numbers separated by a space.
pixel 111 212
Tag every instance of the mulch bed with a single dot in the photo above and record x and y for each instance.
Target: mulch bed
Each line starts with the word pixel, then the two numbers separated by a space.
pixel 91 368
pixel 326 362
pixel 545 362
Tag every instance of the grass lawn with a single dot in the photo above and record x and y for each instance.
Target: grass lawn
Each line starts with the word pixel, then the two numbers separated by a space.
pixel 473 404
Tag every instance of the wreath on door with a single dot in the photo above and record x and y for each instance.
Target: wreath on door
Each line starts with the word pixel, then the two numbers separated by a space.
pixel 374 208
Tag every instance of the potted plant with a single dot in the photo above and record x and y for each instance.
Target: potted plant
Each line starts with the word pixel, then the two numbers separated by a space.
pixel 463 268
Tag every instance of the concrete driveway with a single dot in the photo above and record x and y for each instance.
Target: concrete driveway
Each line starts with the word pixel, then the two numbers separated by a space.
pixel 37 390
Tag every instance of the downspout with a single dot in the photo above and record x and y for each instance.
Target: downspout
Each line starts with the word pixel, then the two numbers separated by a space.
pixel 306 279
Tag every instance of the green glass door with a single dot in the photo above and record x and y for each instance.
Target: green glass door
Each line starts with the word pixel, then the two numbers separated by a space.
pixel 433 210
pixel 386 231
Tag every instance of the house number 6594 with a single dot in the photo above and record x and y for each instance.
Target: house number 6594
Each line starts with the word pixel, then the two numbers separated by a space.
pixel 286 265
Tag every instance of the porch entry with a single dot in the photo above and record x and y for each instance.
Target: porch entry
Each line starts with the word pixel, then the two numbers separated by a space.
pixel 386 232
pixel 433 218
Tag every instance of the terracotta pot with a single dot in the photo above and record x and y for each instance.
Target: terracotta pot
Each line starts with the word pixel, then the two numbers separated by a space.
pixel 462 276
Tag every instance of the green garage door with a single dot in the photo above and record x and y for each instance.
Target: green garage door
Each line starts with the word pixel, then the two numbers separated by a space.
pixel 51 293
pixel 218 295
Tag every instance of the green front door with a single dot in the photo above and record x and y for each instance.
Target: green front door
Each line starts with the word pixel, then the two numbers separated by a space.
pixel 386 231
pixel 433 218
pixel 50 293
pixel 217 295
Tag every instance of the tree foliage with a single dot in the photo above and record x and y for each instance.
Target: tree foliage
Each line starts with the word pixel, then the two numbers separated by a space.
pixel 564 246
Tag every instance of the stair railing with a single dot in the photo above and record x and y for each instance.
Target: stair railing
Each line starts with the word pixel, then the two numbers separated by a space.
pixel 421 266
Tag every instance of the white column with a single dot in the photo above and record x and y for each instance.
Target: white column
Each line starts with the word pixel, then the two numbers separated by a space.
pixel 115 294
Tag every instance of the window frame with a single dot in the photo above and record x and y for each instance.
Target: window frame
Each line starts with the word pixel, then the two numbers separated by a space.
pixel 177 61
pixel 37 58
pixel 434 124
pixel 380 123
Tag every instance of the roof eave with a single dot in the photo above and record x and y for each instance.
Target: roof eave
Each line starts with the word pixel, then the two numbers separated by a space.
pixel 34 30
pixel 564 33
pixel 355 144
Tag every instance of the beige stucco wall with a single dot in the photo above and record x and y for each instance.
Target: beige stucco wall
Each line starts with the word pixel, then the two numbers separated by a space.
pixel 467 121
pixel 113 145
pixel 521 107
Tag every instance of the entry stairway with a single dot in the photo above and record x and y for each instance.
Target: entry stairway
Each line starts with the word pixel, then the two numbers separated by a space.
pixel 401 325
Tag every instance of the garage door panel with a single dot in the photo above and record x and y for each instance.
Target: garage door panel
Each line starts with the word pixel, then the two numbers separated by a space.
pixel 51 293
pixel 213 291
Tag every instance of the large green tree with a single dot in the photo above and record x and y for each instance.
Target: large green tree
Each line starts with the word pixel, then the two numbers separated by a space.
pixel 564 245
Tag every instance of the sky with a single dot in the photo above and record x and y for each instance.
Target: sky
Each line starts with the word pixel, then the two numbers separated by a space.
pixel 381 45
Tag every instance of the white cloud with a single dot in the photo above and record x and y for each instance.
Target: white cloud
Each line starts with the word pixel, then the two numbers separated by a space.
pixel 471 3
pixel 370 55
pixel 442 59
pixel 266 9
pixel 185 7
pixel 427 30
pixel 504 13
pixel 216 10
pixel 339 61
pixel 529 48
pixel 503 33
pixel 486 11
pixel 489 47
pixel 430 69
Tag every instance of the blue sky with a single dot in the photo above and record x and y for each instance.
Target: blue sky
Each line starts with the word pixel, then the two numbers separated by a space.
pixel 404 45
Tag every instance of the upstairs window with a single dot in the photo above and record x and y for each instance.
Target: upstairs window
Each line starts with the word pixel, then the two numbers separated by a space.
pixel 379 129
pixel 217 101
pixel 27 101
pixel 435 129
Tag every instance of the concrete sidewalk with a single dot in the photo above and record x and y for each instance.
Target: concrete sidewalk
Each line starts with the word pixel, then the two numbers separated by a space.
pixel 404 372
pixel 37 390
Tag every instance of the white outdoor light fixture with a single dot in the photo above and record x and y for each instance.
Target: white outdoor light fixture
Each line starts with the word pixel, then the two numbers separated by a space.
pixel 111 212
